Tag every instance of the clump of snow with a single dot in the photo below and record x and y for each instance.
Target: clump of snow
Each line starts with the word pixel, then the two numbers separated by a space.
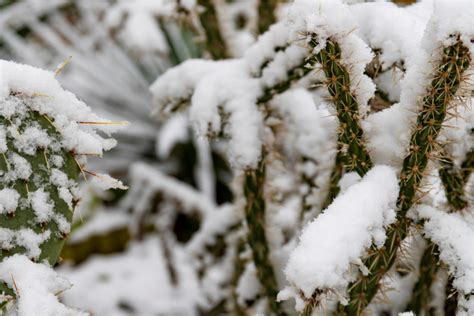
pixel 265 48
pixel 339 237
pixel 36 287
pixel 106 182
pixel 177 85
pixel 332 20
pixel 8 200
pixel 231 91
pixel 42 205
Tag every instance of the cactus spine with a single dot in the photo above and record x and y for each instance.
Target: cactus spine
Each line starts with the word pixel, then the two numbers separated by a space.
pixel 354 153
pixel 454 182
pixel 448 76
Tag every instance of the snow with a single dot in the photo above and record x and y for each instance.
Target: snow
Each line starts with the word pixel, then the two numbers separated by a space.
pixel 331 19
pixel 453 233
pixel 244 123
pixel 388 132
pixel 264 49
pixel 136 278
pixel 8 200
pixel 336 239
pixel 173 131
pixel 36 286
pixel 42 205
pixel 178 83
pixel 106 182
pixel 70 115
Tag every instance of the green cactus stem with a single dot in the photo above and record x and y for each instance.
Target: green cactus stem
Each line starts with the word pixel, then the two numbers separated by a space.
pixel 421 293
pixel 445 84
pixel 355 155
pixel 254 184
pixel 24 219
pixel 454 182
pixel 215 43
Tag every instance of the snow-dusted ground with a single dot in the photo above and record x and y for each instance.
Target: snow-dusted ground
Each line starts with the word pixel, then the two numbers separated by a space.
pixel 134 282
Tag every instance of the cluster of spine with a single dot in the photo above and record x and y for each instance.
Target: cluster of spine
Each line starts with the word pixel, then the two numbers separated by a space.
pixel 24 217
pixel 352 154
pixel 444 85
pixel 355 155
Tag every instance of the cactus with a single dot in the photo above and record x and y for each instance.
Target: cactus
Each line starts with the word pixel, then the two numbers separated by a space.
pixel 28 220
pixel 42 153
pixel 336 57
pixel 454 182
pixel 448 77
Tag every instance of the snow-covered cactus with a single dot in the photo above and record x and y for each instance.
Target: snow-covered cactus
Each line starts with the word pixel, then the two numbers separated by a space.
pixel 46 133
pixel 355 175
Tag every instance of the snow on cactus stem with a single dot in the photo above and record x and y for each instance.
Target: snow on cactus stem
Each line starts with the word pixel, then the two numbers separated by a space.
pixel 46 135
pixel 334 241
pixel 453 234
pixel 451 48
pixel 342 56
pixel 454 181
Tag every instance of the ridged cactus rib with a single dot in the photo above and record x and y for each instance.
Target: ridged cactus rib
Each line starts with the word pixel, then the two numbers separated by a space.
pixel 39 222
pixel 254 183
pixel 355 157
pixel 454 182
pixel 445 84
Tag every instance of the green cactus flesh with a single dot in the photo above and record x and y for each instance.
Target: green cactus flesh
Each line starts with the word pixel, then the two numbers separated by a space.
pixel 20 227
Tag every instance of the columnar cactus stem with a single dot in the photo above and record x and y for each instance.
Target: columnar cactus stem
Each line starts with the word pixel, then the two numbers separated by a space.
pixel 421 293
pixel 355 154
pixel 352 154
pixel 215 43
pixel 448 76
pixel 254 184
pixel 454 182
